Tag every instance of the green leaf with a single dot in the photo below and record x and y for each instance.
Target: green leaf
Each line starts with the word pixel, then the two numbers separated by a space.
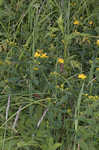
pixel 56 145
pixel 60 23
pixel 83 145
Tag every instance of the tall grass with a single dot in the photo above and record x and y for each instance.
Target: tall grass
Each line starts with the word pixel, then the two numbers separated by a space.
pixel 49 74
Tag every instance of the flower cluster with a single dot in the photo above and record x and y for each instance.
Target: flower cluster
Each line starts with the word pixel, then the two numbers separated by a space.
pixel 60 60
pixel 91 22
pixel 40 54
pixel 93 97
pixel 82 76
pixel 76 22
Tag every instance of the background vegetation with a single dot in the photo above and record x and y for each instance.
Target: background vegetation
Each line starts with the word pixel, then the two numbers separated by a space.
pixel 49 74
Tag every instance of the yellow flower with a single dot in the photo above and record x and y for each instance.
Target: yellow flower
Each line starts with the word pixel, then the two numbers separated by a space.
pixel 63 41
pixel 82 76
pixel 97 42
pixel 36 55
pixel 76 22
pixel 97 69
pixel 62 86
pixel 35 68
pixel 90 22
pixel 90 61
pixel 86 94
pixel 60 60
pixel 68 110
pixel 40 54
pixel 54 73
pixel 93 97
pixel 44 55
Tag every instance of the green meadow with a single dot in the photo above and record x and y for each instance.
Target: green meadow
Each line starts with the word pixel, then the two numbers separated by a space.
pixel 49 74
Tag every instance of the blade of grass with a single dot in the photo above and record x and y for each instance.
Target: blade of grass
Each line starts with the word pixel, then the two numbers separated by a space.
pixel 77 111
